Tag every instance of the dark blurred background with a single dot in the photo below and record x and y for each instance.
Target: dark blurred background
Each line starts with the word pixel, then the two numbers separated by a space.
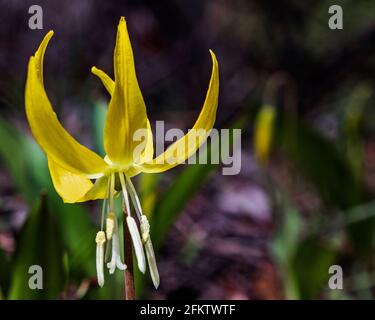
pixel 270 232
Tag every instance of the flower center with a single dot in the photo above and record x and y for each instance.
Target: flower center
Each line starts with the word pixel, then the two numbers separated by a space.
pixel 115 167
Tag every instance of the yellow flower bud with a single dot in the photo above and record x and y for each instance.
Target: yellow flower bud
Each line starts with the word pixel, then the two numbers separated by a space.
pixel 263 135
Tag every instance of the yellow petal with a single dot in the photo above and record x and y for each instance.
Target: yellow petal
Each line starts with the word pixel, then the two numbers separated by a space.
pixel 76 188
pixel 109 84
pixel 148 152
pixel 126 110
pixel 46 128
pixel 185 147
pixel 98 190
pixel 133 171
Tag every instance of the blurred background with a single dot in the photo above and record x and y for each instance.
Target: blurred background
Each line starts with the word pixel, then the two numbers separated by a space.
pixel 302 95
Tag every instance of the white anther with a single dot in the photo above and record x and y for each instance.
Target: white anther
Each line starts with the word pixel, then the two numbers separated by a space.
pixel 145 228
pixel 137 243
pixel 110 225
pixel 100 240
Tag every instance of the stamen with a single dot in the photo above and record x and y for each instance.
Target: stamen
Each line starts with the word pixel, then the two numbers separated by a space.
pixel 134 197
pixel 110 225
pixel 124 192
pixel 145 230
pixel 137 243
pixel 100 237
pixel 100 240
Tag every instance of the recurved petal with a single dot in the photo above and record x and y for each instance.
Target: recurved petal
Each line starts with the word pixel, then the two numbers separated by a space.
pixel 148 151
pixel 69 186
pixel 75 188
pixel 185 147
pixel 48 131
pixel 108 83
pixel 126 110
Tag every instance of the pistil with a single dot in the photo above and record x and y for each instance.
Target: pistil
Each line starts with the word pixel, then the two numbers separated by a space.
pixel 112 231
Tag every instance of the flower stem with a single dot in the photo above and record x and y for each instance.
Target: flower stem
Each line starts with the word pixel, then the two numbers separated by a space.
pixel 128 255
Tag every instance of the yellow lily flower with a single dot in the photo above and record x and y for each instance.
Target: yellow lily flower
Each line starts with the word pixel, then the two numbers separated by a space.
pixel 79 174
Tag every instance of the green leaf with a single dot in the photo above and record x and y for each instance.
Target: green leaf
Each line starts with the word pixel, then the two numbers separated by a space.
pixel 78 234
pixel 311 265
pixel 98 116
pixel 39 244
pixel 329 170
pixel 285 245
pixel 14 158
pixel 320 161
pixel 147 186
pixel 76 228
pixel 5 273
pixel 27 164
pixel 353 115
pixel 113 288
